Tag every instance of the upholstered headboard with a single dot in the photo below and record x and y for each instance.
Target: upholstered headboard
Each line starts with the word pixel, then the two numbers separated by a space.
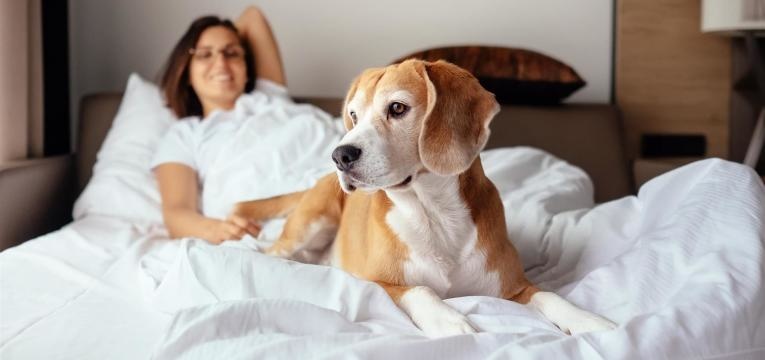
pixel 588 136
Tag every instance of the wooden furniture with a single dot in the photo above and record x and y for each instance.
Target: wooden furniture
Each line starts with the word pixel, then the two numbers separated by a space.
pixel 670 78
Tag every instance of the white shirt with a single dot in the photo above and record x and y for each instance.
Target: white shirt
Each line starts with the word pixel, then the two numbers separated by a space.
pixel 197 143
pixel 265 146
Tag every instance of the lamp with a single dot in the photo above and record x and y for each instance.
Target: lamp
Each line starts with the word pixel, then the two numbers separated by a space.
pixel 742 18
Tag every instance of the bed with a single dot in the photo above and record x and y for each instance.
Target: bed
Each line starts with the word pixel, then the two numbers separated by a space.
pixel 679 265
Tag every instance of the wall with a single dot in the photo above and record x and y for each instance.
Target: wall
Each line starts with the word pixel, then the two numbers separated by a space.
pixel 14 112
pixel 670 77
pixel 35 127
pixel 326 43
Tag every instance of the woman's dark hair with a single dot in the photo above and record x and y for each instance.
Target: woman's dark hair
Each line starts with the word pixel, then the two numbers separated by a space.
pixel 175 84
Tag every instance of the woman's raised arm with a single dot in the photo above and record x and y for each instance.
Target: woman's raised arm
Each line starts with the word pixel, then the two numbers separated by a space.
pixel 253 26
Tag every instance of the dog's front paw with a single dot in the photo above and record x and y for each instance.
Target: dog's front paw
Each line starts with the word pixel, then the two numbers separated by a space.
pixel 445 323
pixel 568 317
pixel 587 322
pixel 434 317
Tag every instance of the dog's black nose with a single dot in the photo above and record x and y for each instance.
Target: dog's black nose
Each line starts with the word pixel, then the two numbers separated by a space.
pixel 344 156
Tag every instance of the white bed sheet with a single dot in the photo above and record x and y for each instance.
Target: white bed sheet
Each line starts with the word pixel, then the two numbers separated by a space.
pixel 74 293
pixel 679 267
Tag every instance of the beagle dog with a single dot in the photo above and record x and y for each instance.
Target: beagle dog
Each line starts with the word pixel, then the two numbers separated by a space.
pixel 426 223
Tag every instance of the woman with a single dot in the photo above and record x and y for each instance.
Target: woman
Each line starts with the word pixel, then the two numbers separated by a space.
pixel 213 64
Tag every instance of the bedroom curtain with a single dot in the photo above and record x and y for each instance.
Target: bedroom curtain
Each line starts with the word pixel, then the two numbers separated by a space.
pixel 20 80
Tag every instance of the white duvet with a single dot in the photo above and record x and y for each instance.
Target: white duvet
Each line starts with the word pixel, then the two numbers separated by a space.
pixel 679 267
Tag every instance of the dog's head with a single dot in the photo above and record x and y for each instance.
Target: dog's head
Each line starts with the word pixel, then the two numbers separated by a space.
pixel 408 118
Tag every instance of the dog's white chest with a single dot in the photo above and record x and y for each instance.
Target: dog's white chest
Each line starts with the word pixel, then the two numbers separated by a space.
pixel 436 226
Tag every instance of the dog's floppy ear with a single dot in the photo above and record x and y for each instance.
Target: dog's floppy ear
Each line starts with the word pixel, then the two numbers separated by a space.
pixel 456 124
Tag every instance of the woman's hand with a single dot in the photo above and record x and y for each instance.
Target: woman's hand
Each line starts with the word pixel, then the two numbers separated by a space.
pixel 232 228
pixel 249 13
pixel 178 186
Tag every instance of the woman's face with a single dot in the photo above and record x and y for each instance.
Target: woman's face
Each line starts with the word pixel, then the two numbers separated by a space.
pixel 218 72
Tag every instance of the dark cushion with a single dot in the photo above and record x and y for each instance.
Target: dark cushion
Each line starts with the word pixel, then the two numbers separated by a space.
pixel 515 76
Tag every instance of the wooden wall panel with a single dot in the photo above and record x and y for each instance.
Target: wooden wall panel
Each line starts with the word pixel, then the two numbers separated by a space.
pixel 670 77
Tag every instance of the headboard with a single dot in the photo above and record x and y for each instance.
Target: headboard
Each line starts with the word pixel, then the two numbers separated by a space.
pixel 588 136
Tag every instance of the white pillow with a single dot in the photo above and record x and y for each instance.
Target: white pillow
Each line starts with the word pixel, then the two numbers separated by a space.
pixel 122 183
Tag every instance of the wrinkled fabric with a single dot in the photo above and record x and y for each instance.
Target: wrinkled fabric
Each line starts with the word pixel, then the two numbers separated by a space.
pixel 679 267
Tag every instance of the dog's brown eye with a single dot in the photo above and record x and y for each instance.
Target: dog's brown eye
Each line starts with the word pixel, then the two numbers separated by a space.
pixel 353 117
pixel 397 109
